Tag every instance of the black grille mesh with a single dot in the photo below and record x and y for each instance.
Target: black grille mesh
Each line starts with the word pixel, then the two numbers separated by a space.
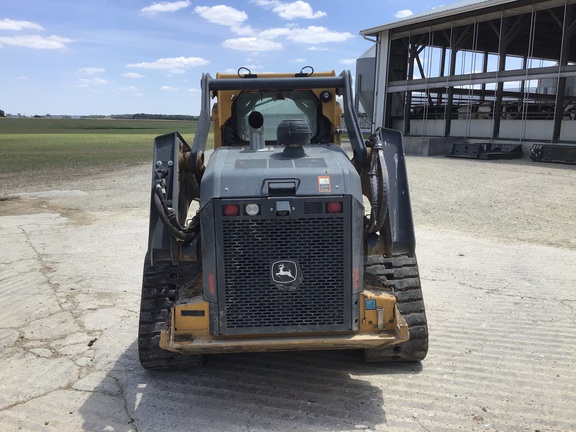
pixel 254 302
pixel 313 207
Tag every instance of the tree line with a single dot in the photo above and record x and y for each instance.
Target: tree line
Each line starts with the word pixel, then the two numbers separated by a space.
pixel 144 116
pixel 139 116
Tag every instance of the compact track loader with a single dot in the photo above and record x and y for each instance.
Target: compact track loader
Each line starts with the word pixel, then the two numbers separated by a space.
pixel 282 240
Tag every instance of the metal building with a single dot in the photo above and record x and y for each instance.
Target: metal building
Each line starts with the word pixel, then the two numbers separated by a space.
pixel 499 71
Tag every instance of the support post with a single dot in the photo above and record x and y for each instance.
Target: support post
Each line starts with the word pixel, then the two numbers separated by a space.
pixel 500 86
pixel 567 30
pixel 453 52
pixel 408 99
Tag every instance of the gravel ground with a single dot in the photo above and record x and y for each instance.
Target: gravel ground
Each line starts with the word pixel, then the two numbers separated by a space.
pixel 514 200
pixel 497 253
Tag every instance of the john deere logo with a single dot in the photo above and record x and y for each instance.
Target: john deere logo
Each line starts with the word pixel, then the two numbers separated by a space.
pixel 284 272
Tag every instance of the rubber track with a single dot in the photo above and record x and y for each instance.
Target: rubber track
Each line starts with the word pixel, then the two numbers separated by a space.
pixel 399 276
pixel 159 292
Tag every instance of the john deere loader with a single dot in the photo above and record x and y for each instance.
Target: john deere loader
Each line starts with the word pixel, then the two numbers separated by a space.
pixel 280 239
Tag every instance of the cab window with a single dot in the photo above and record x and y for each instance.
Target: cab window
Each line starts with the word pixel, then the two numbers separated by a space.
pixel 275 106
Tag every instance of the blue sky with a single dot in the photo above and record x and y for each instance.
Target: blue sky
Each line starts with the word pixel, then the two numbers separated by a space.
pixel 127 56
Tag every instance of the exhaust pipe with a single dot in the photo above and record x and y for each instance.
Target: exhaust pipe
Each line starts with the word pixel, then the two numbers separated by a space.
pixel 256 122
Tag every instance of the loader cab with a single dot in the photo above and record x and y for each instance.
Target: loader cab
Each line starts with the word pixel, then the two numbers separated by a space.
pixel 234 112
pixel 274 107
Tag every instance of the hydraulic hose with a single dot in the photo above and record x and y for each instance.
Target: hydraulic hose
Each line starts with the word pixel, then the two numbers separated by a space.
pixel 170 219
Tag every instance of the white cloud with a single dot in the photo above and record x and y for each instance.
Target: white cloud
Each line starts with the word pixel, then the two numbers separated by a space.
pixel 404 13
pixel 89 82
pixel 35 41
pixel 226 16
pixel 253 41
pixel 155 8
pixel 298 60
pixel 245 30
pixel 221 14
pixel 308 35
pixel 298 9
pixel 273 33
pixel 316 35
pixel 347 61
pixel 132 75
pixel 290 11
pixel 131 90
pixel 169 89
pixel 193 90
pixel 252 44
pixel 90 71
pixel 174 64
pixel 8 24
pixel 314 48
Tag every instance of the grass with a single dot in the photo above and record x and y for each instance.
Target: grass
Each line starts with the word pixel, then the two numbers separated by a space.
pixel 30 144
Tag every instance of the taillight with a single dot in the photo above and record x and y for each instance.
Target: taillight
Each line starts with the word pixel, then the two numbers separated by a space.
pixel 231 210
pixel 334 207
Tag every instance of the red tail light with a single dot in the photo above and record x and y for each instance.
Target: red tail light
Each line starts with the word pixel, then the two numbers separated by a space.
pixel 231 210
pixel 334 207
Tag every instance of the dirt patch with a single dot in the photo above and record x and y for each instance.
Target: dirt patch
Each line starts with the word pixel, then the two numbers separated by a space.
pixel 84 196
pixel 20 205
pixel 15 206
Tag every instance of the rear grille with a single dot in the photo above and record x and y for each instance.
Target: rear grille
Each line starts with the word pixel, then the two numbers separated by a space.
pixel 253 303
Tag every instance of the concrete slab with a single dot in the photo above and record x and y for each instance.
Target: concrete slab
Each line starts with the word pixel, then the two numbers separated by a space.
pixel 497 268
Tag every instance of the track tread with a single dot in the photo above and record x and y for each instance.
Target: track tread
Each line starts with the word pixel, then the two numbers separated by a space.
pixel 399 276
pixel 159 292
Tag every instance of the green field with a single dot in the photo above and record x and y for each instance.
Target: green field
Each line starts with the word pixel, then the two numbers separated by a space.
pixel 32 144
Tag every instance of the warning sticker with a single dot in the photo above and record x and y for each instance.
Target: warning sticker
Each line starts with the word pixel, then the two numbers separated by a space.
pixel 324 184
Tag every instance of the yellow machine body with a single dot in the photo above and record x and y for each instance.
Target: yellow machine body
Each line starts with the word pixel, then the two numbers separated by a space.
pixel 188 331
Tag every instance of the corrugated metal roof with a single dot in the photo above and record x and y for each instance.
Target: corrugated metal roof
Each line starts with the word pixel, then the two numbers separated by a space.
pixel 439 12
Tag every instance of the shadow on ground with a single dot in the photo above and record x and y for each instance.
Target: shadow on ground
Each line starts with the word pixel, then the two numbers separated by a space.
pixel 311 390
